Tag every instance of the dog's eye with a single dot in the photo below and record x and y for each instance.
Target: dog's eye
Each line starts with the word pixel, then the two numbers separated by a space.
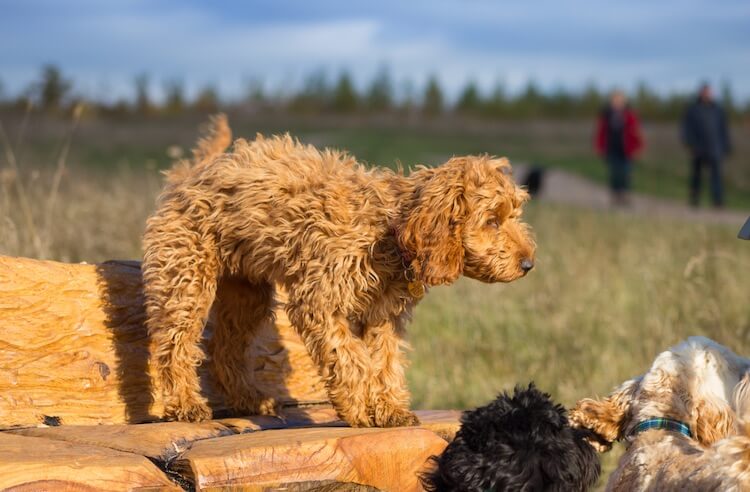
pixel 493 223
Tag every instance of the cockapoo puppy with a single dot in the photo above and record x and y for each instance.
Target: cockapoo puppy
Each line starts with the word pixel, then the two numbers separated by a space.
pixel 684 423
pixel 516 443
pixel 353 248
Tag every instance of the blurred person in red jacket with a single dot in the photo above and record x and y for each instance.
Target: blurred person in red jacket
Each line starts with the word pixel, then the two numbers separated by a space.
pixel 618 139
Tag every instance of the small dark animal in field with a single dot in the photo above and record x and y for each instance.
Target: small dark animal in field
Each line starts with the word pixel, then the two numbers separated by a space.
pixel 519 442
pixel 533 180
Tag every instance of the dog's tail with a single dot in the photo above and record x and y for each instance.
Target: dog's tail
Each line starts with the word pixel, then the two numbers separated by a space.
pixel 215 137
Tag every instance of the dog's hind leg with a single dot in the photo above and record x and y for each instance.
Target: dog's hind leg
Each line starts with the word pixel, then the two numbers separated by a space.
pixel 179 285
pixel 389 394
pixel 241 307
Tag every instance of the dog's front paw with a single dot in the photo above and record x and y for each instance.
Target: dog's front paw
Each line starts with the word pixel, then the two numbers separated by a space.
pixel 256 406
pixel 196 411
pixel 269 406
pixel 390 416
pixel 354 415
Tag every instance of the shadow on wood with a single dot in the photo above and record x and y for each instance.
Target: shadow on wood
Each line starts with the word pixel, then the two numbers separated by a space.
pixel 74 350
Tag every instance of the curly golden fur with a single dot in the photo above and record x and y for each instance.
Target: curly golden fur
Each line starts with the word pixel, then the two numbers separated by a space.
pixel 698 382
pixel 347 244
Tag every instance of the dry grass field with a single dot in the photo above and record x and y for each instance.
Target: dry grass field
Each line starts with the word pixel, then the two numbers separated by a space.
pixel 609 292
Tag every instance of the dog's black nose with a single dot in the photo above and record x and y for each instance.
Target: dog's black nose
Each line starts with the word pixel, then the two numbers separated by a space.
pixel 527 264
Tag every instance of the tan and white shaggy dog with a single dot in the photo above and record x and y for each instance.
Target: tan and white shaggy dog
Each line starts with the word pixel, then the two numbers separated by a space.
pixel 353 248
pixel 684 422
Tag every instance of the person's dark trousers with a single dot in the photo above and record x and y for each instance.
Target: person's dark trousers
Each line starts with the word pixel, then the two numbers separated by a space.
pixel 619 173
pixel 717 185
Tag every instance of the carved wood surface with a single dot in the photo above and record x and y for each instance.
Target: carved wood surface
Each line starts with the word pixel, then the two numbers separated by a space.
pixel 73 348
pixel 388 459
pixel 253 453
pixel 34 464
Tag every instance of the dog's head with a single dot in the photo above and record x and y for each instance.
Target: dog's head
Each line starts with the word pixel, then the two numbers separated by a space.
pixel 518 442
pixel 698 382
pixel 465 218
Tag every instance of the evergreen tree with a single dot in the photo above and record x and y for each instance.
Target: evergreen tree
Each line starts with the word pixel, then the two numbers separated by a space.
pixel 470 100
pixel 408 96
pixel 590 101
pixel 727 98
pixel 432 103
pixel 380 93
pixel 255 92
pixel 529 102
pixel 497 104
pixel 207 100
pixel 647 101
pixel 315 94
pixel 53 88
pixel 143 103
pixel 174 102
pixel 560 103
pixel 345 99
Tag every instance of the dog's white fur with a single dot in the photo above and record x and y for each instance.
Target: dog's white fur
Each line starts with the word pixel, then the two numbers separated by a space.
pixel 698 382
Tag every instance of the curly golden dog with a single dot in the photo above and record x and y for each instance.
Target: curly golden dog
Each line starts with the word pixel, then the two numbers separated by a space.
pixel 353 248
pixel 684 422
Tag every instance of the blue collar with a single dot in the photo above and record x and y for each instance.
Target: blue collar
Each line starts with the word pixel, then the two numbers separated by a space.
pixel 662 423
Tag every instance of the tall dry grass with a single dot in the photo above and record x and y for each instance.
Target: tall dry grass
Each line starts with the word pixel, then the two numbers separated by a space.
pixel 94 217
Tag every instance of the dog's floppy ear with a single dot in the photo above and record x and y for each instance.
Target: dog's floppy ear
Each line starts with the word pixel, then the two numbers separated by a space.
pixel 605 417
pixel 715 417
pixel 741 398
pixel 432 229
pixel 714 421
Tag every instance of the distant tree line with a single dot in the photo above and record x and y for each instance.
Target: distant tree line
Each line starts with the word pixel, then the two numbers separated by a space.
pixel 54 93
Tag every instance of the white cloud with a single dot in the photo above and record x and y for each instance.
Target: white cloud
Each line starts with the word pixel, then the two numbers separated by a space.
pixel 104 44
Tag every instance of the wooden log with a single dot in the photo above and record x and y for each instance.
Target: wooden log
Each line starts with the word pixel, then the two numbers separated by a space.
pixel 73 348
pixel 164 441
pixel 33 464
pixel 387 459
pixel 444 423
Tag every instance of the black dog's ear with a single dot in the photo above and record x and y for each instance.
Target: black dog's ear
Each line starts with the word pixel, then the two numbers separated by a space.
pixel 605 417
pixel 588 466
pixel 433 480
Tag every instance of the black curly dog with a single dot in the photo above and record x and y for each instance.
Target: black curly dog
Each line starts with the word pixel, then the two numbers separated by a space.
pixel 521 443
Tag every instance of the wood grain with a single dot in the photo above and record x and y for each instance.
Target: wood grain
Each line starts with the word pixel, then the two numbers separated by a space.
pixel 34 464
pixel 162 441
pixel 73 348
pixel 387 459
pixel 444 423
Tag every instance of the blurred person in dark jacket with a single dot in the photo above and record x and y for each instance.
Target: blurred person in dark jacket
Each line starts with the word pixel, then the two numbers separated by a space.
pixel 705 133
pixel 618 140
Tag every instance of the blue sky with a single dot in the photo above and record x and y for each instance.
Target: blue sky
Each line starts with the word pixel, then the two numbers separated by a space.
pixel 103 44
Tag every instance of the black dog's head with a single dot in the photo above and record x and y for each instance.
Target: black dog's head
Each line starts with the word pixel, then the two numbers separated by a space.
pixel 521 442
